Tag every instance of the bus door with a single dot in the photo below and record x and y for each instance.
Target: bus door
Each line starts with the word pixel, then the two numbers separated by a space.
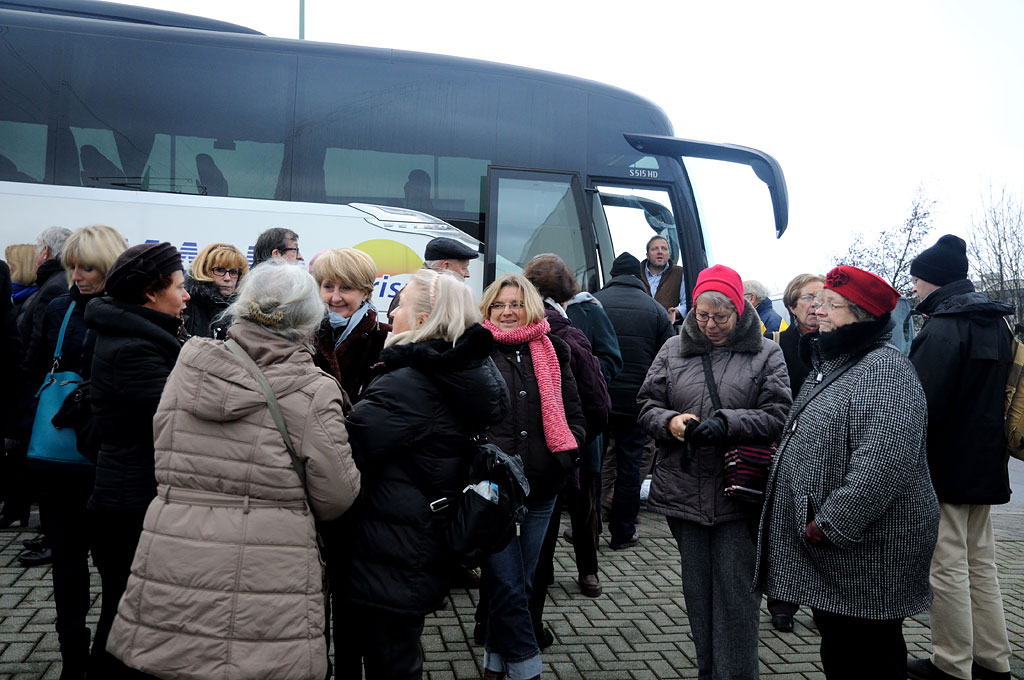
pixel 531 212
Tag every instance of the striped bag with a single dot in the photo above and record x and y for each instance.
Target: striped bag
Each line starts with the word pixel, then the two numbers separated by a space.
pixel 746 472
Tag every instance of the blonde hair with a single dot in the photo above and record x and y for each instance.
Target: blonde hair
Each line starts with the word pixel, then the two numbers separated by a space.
pixel 532 302
pixel 794 287
pixel 218 255
pixel 347 266
pixel 22 259
pixel 97 246
pixel 447 302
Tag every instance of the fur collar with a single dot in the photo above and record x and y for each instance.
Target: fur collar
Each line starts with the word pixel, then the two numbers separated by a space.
pixel 746 337
pixel 437 356
pixel 207 290
pixel 846 339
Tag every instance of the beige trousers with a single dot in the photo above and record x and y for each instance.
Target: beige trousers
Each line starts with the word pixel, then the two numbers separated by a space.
pixel 967 618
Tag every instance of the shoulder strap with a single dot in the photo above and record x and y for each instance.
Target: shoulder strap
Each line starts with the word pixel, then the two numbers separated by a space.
pixel 275 407
pixel 60 338
pixel 709 378
pixel 829 379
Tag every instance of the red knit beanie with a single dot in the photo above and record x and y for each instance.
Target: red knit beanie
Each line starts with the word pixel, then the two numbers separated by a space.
pixel 724 280
pixel 862 288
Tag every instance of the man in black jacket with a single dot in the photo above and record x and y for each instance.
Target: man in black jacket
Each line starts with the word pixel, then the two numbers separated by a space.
pixel 962 357
pixel 642 326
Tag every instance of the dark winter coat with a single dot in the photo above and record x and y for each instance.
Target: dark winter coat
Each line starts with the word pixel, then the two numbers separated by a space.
pixel 753 387
pixel 53 282
pixel 410 437
pixel 962 357
pixel 10 352
pixel 769 317
pixel 351 362
pixel 854 462
pixel 789 341
pixel 76 355
pixel 136 348
pixel 206 305
pixel 587 314
pixel 522 431
pixel 642 327
pixel 586 369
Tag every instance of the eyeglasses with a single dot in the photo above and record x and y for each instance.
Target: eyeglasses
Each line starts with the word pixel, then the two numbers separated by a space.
pixel 285 250
pixel 807 298
pixel 221 271
pixel 502 306
pixel 704 317
pixel 828 306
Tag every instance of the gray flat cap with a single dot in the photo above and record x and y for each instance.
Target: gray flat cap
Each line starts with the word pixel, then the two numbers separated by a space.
pixel 443 248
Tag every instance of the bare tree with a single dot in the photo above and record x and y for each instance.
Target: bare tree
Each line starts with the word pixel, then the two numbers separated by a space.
pixel 996 249
pixel 890 252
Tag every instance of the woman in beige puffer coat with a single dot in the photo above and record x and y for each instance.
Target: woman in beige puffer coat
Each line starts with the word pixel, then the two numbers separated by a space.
pixel 227 580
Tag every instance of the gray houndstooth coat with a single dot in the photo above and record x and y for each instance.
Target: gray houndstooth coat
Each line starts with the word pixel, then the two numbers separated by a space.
pixel 853 461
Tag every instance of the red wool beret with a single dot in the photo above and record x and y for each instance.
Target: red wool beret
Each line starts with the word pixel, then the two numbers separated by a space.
pixel 862 288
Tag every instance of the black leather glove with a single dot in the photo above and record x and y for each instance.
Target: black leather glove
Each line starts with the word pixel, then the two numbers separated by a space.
pixel 709 431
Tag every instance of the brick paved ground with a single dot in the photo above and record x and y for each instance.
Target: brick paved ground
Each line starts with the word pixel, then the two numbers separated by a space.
pixel 637 629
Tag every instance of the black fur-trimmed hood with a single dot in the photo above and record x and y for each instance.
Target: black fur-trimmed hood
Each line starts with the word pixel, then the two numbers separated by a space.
pixel 746 337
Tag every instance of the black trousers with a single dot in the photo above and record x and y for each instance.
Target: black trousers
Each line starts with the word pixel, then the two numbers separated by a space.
pixel 861 648
pixel 115 535
pixel 389 644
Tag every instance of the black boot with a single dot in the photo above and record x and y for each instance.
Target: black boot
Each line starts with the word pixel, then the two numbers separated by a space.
pixel 75 658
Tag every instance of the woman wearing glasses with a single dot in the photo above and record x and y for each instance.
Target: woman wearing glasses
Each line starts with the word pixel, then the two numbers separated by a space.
pixel 546 427
pixel 799 300
pixel 720 341
pixel 850 516
pixel 212 281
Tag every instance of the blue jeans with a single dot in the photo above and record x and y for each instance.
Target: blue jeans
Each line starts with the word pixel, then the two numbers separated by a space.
pixel 629 453
pixel 511 646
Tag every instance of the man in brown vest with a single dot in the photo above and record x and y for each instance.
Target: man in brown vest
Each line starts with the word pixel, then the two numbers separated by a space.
pixel 664 280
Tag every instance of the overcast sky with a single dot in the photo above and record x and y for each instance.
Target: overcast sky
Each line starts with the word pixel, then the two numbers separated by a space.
pixel 860 103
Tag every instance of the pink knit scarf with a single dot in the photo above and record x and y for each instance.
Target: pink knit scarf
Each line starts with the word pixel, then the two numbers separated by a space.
pixel 549 379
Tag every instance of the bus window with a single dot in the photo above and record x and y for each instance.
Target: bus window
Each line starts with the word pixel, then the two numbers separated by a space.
pixel 214 167
pixel 532 213
pixel 635 215
pixel 98 161
pixel 22 152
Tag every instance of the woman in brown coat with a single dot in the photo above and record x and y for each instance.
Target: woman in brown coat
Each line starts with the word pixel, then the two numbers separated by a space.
pixel 227 578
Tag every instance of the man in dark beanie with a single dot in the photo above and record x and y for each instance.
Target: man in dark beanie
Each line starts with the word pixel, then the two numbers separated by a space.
pixel 642 326
pixel 962 356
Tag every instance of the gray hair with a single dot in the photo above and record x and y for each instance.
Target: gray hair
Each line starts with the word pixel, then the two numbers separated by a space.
pixel 717 301
pixel 755 288
pixel 281 297
pixel 53 238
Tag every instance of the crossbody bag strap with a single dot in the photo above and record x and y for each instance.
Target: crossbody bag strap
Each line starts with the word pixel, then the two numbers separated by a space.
pixel 275 407
pixel 709 378
pixel 60 337
pixel 829 379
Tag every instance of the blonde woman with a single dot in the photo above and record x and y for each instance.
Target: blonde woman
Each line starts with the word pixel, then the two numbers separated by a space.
pixel 65 487
pixel 546 428
pixel 411 438
pixel 212 281
pixel 350 338
pixel 22 260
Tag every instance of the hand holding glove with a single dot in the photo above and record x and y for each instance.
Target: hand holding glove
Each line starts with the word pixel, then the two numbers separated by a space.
pixel 708 432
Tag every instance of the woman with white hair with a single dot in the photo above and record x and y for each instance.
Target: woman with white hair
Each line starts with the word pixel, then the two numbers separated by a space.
pixel 411 436
pixel 227 580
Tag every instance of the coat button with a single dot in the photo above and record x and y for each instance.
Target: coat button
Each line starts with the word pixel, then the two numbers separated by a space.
pixel 522 435
pixel 522 394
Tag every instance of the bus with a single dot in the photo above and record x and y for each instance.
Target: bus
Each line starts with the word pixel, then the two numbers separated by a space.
pixel 180 128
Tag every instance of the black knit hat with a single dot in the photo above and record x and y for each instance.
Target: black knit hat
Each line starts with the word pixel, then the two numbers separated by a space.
pixel 140 267
pixel 943 263
pixel 626 264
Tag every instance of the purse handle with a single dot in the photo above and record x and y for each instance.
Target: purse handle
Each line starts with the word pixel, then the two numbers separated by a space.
pixel 272 403
pixel 60 338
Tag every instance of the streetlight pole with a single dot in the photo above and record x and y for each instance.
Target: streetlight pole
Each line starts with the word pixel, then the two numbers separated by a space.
pixel 302 19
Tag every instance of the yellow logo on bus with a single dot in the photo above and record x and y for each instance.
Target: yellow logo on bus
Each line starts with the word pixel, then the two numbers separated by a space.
pixel 395 264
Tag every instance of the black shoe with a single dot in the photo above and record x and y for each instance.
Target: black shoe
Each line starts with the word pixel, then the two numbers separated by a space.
pixel 782 622
pixel 979 672
pixel 567 535
pixel 36 558
pixel 35 544
pixel 630 542
pixel 546 639
pixel 479 633
pixel 924 669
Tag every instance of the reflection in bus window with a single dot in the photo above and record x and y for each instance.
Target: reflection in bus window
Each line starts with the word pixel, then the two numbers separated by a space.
pixel 538 216
pixel 22 152
pixel 214 167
